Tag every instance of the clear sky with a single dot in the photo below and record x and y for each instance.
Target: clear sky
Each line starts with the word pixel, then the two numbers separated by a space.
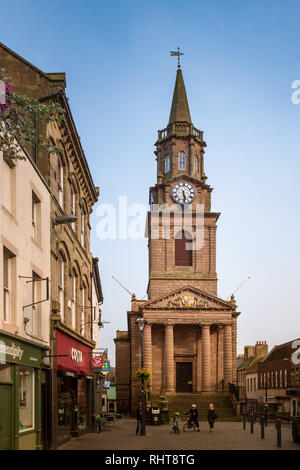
pixel 240 59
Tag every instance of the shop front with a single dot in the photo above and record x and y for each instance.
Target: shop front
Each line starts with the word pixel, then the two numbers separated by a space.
pixel 21 363
pixel 74 387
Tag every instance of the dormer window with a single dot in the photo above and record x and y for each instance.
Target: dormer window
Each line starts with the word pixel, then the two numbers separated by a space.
pixel 181 161
pixel 167 164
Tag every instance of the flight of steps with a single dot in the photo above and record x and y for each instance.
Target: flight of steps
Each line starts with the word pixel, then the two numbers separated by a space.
pixel 183 403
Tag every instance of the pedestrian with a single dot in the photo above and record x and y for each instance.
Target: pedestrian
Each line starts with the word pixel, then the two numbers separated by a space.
pixel 139 411
pixel 211 416
pixel 193 413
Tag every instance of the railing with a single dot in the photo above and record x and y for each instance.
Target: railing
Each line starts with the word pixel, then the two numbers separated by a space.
pixel 180 129
pixel 234 390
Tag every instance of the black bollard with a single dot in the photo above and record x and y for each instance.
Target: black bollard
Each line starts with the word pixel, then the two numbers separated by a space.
pixel 266 416
pixel 244 421
pixel 262 427
pixel 275 420
pixel 278 432
pixel 252 423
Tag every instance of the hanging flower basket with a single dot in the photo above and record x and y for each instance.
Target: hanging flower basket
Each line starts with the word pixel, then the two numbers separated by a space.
pixel 143 373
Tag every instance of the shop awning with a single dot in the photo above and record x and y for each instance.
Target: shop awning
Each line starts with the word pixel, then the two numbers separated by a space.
pixel 72 355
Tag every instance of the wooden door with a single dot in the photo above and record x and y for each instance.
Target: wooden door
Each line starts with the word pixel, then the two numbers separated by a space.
pixel 184 377
pixel 5 417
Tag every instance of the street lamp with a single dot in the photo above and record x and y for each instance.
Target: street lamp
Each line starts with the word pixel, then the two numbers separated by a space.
pixel 266 400
pixel 141 324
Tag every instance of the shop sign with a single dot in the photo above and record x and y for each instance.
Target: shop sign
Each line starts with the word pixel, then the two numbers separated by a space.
pixel 271 400
pixel 105 366
pixel 76 355
pixel 72 355
pixel 13 350
pixel 293 393
pixel 97 362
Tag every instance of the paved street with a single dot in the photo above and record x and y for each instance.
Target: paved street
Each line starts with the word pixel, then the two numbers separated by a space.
pixel 225 436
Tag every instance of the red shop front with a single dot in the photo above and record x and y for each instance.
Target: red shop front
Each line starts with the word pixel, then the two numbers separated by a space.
pixel 74 387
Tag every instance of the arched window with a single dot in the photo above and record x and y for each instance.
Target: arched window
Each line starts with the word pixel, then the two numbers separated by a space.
pixel 167 164
pixel 73 204
pixel 61 285
pixel 82 227
pixel 181 161
pixel 74 300
pixel 82 328
pixel 196 166
pixel 183 251
pixel 60 182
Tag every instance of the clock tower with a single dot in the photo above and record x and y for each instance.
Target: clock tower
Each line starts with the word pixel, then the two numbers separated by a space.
pixel 189 333
pixel 181 184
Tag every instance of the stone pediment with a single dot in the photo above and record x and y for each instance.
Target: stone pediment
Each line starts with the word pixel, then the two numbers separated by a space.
pixel 189 298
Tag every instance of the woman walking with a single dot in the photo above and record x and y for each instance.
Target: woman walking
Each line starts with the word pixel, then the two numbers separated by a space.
pixel 211 416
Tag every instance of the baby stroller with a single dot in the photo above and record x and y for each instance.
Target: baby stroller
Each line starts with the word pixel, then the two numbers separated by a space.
pixel 175 428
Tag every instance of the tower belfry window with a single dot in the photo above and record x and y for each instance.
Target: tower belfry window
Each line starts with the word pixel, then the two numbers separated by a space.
pixel 167 164
pixel 183 253
pixel 181 161
pixel 196 166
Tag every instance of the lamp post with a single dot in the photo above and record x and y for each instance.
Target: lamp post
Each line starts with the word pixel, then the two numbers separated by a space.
pixel 266 400
pixel 141 324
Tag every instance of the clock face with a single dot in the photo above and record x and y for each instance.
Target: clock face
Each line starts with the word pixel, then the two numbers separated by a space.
pixel 183 192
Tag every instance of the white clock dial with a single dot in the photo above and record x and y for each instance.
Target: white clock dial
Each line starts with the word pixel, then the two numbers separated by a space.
pixel 183 192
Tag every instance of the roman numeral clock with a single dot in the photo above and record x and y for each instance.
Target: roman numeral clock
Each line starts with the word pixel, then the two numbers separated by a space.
pixel 182 192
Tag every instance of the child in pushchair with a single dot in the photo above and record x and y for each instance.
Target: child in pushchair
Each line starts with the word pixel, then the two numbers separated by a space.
pixel 175 427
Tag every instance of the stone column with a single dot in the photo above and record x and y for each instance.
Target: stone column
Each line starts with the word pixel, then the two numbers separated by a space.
pixel 199 362
pixel 234 351
pixel 220 357
pixel 148 347
pixel 206 357
pixel 169 358
pixel 227 355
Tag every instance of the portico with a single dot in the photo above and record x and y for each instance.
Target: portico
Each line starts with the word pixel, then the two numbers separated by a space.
pixel 189 348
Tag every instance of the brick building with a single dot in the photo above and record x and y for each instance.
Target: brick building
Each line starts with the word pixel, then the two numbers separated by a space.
pixel 72 193
pixel 247 374
pixel 279 379
pixel 24 324
pixel 191 334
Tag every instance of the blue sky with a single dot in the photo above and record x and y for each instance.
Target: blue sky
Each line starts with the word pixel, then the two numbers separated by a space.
pixel 240 59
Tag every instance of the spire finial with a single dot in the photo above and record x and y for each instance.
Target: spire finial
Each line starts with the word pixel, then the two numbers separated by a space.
pixel 178 54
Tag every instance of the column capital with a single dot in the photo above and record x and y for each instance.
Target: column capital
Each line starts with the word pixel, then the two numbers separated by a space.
pixel 169 323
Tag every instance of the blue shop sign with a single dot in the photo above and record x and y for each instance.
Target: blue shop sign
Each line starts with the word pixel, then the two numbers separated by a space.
pixel 105 366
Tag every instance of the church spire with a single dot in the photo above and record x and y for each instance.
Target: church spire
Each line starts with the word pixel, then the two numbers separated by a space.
pixel 180 111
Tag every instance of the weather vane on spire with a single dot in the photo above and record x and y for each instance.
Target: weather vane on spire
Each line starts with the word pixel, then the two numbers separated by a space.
pixel 178 54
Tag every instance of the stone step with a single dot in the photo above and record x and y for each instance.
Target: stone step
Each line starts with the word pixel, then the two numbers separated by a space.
pixel 182 403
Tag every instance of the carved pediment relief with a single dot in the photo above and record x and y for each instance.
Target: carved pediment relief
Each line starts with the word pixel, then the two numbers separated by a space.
pixel 189 298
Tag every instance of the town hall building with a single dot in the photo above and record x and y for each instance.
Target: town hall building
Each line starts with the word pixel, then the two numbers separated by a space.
pixel 190 335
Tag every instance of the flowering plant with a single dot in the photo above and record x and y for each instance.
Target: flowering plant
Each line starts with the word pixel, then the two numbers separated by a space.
pixel 143 373
pixel 20 119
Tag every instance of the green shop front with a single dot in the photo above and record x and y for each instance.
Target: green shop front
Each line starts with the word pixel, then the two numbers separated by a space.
pixel 21 377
